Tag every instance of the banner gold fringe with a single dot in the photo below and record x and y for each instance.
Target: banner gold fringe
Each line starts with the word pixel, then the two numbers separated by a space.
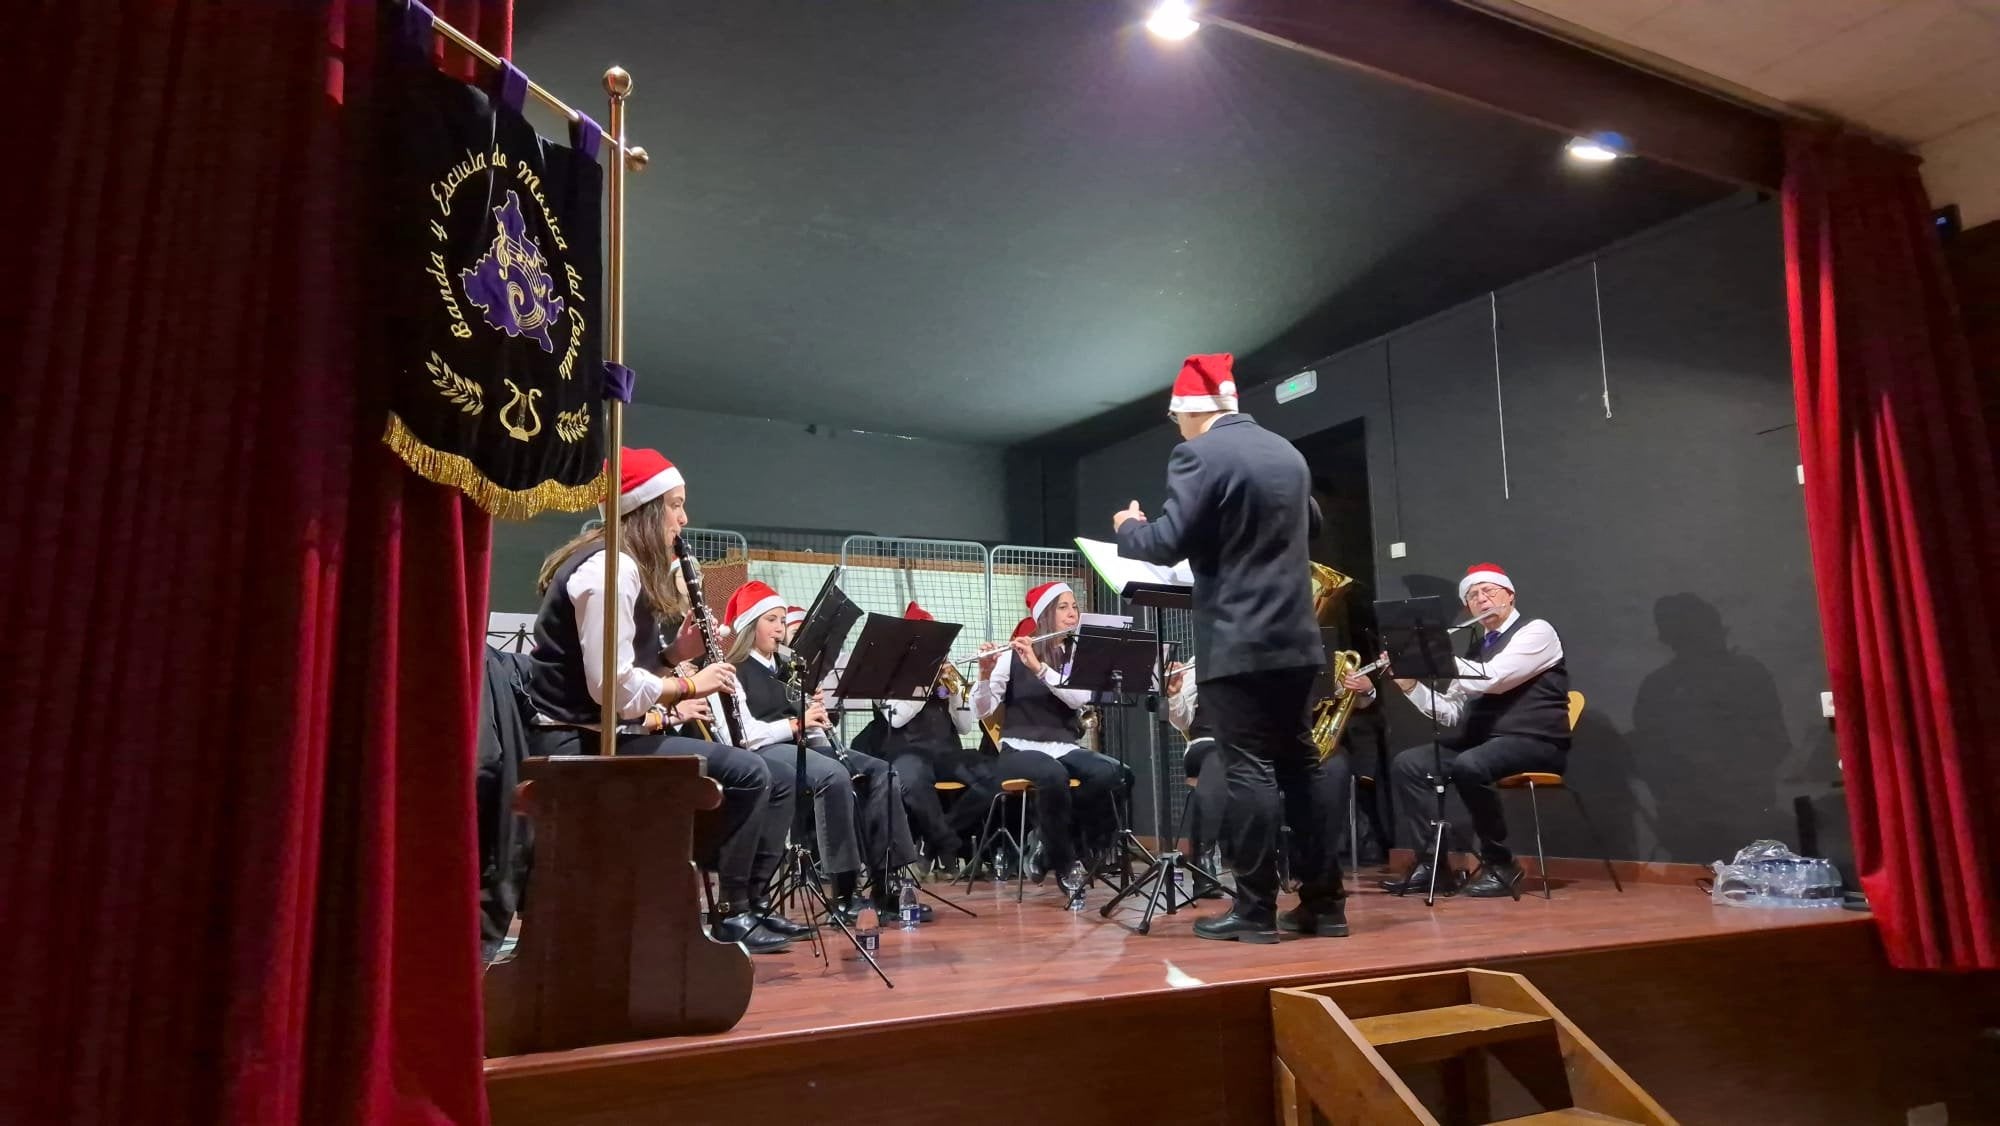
pixel 461 474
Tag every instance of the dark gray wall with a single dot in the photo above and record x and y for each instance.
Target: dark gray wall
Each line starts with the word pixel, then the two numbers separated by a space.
pixel 1666 543
pixel 770 473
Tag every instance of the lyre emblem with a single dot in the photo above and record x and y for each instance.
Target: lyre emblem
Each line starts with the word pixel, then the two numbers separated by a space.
pixel 523 403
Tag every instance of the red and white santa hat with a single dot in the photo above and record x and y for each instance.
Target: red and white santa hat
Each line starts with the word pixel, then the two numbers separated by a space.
pixel 1483 573
pixel 917 613
pixel 1044 596
pixel 643 475
pixel 1206 384
pixel 1023 628
pixel 751 601
pixel 794 615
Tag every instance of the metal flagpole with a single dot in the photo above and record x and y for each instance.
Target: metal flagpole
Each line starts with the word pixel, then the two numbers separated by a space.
pixel 618 84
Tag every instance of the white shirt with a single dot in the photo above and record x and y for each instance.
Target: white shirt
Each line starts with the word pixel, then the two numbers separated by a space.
pixel 638 689
pixel 988 694
pixel 1528 654
pixel 759 733
pixel 1181 704
pixel 901 712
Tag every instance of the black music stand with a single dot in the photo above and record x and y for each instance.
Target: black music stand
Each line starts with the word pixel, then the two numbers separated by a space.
pixel 898 659
pixel 1417 636
pixel 820 636
pixel 1106 662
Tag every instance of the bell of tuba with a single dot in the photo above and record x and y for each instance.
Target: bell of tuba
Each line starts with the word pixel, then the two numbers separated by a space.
pixel 1329 588
pixel 1330 714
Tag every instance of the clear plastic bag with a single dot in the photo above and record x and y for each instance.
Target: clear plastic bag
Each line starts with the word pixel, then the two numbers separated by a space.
pixel 1767 874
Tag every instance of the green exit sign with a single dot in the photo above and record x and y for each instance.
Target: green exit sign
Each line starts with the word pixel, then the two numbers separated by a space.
pixel 1304 383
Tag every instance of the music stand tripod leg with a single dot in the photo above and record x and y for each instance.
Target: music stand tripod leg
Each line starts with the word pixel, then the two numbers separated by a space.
pixel 814 885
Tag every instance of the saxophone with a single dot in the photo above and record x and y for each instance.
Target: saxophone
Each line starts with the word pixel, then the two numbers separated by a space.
pixel 1330 714
pixel 732 709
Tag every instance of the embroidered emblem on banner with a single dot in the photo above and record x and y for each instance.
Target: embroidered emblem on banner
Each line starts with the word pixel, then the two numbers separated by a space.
pixel 493 242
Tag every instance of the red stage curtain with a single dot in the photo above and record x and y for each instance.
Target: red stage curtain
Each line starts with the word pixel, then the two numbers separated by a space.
pixel 240 865
pixel 1901 504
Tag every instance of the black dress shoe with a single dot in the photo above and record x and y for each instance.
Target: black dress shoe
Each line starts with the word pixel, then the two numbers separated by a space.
pixel 750 930
pixel 777 923
pixel 848 911
pixel 1208 889
pixel 1417 881
pixel 1496 880
pixel 1329 921
pixel 1233 927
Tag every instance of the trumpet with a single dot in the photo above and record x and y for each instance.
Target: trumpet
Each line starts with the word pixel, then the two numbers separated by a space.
pixel 953 683
pixel 1037 640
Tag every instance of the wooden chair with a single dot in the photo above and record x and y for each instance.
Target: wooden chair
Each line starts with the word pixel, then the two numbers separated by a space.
pixel 1025 789
pixel 1535 780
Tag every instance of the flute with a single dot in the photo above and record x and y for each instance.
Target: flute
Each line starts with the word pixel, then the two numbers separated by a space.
pixel 977 657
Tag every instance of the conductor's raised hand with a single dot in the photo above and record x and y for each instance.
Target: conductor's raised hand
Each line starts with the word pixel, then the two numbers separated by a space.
pixel 1129 512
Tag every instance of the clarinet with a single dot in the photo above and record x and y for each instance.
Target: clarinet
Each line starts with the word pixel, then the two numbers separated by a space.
pixel 795 694
pixel 732 709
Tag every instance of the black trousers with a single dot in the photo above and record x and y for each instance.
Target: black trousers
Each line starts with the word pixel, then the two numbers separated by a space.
pixel 919 770
pixel 1471 772
pixel 1274 774
pixel 1204 764
pixel 854 827
pixel 751 804
pixel 1339 771
pixel 1103 781
pixel 1057 807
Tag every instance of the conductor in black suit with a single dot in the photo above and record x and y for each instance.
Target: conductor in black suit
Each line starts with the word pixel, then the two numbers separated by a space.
pixel 1239 509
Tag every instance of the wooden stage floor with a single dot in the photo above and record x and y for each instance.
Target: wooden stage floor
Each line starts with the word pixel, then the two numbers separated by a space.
pixel 1035 954
pixel 988 1012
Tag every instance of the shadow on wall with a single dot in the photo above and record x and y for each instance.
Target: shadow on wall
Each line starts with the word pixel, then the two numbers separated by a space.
pixel 1708 743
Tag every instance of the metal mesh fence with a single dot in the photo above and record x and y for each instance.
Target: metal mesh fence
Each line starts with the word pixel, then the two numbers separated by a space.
pixel 1018 570
pixel 950 579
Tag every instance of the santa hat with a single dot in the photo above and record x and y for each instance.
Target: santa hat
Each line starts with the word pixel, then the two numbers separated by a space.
pixel 1044 596
pixel 794 615
pixel 917 613
pixel 1483 573
pixel 644 475
pixel 1206 384
pixel 1023 628
pixel 751 601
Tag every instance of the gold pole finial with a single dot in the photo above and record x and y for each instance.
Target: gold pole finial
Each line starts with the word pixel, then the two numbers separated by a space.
pixel 618 82
pixel 636 158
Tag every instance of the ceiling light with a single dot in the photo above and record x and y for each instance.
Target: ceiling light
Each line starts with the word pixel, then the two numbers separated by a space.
pixel 1598 148
pixel 1173 19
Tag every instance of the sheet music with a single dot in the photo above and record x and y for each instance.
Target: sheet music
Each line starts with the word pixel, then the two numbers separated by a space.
pixel 1119 572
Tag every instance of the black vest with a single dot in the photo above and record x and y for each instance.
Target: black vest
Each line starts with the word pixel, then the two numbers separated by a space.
pixel 1199 727
pixel 1035 714
pixel 555 679
pixel 765 697
pixel 1539 708
pixel 930 729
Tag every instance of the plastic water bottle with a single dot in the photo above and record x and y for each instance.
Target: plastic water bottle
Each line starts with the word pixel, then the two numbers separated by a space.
pixel 907 908
pixel 1076 881
pixel 1001 872
pixel 868 930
